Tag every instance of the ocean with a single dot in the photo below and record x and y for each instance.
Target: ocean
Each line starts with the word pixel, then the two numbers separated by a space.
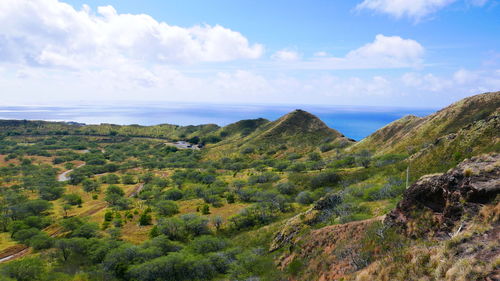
pixel 355 122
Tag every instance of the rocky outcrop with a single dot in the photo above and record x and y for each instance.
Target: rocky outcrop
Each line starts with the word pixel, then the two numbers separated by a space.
pixel 437 204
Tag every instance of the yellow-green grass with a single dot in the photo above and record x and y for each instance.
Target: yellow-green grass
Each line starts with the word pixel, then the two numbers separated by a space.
pixel 226 211
pixel 379 208
pixel 135 233
pixel 6 241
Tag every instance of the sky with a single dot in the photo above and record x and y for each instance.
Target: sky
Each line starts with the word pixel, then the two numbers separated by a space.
pixel 419 53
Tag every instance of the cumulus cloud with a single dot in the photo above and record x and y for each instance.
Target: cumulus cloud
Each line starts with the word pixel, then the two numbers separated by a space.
pixel 462 80
pixel 383 52
pixel 52 33
pixel 415 9
pixel 392 50
pixel 286 55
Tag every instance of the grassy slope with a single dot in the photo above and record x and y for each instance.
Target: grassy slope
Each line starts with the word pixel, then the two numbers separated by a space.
pixel 168 131
pixel 411 133
pixel 298 131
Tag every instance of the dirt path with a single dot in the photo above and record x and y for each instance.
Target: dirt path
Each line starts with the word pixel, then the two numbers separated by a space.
pixel 136 190
pixel 64 176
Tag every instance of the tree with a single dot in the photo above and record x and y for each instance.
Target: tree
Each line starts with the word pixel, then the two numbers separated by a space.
pixel 145 219
pixel 40 241
pixel 207 243
pixel 128 179
pixel 27 269
pixel 167 208
pixel 73 199
pixel 173 194
pixel 66 208
pixel 110 179
pixel 90 185
pixel 50 193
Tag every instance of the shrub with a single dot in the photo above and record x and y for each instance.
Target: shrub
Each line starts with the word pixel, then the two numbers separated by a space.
pixel 325 179
pixel 230 198
pixel 110 179
pixel 326 147
pixel 108 216
pixel 27 269
pixel 205 210
pixel 145 219
pixel 167 208
pixel 173 194
pixel 207 244
pixel 128 179
pixel 40 241
pixel 90 185
pixel 263 178
pixel 256 215
pixel 304 198
pixel 73 199
pixel 286 188
pixel 297 167
pixel 248 150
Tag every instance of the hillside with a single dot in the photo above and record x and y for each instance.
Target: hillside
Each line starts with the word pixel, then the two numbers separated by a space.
pixel 43 128
pixel 290 199
pixel 242 128
pixel 446 227
pixel 412 133
pixel 298 131
pixel 441 140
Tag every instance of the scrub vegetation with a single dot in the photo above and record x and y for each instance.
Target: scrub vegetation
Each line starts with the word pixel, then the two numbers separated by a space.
pixel 289 199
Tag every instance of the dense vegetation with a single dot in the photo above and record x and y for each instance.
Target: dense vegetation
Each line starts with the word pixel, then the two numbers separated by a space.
pixel 134 207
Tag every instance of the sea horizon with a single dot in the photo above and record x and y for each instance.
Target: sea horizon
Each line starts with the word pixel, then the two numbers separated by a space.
pixel 356 122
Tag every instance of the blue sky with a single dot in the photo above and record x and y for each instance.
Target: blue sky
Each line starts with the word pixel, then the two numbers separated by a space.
pixel 423 53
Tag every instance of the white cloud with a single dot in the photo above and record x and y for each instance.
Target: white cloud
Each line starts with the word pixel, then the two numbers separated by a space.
pixel 463 76
pixel 285 55
pixel 321 54
pixel 461 81
pixel 383 52
pixel 393 50
pixel 427 82
pixel 415 9
pixel 52 33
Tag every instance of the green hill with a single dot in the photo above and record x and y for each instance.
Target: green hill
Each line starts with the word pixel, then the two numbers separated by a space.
pixel 412 133
pixel 297 131
pixel 443 139
pixel 165 131
pixel 242 128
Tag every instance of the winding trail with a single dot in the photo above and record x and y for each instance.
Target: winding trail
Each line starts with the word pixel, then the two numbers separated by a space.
pixel 64 176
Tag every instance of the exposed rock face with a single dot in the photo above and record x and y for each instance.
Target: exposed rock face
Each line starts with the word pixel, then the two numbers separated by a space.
pixel 441 201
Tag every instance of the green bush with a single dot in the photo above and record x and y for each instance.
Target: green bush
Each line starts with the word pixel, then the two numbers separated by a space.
pixel 167 208
pixel 304 198
pixel 207 244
